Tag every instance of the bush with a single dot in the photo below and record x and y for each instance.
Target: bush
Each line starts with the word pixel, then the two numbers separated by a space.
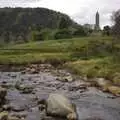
pixel 62 34
pixel 44 34
pixel 80 32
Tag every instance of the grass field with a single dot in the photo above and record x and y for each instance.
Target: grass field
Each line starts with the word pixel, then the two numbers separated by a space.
pixel 86 56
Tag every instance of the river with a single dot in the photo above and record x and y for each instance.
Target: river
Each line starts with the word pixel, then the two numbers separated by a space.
pixel 92 104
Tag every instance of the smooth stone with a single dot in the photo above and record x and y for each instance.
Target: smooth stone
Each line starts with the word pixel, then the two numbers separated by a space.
pixel 59 105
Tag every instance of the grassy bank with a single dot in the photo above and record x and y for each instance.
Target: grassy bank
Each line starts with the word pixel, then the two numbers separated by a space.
pixel 97 68
pixel 87 56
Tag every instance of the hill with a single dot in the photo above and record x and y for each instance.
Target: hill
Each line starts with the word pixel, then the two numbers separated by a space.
pixel 17 23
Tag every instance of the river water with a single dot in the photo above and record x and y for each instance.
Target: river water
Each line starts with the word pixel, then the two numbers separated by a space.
pixel 92 104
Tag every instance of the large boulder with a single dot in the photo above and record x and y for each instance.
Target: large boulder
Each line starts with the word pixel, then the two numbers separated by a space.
pixel 59 105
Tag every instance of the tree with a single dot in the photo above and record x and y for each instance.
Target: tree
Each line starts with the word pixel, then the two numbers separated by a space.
pixel 6 37
pixel 62 34
pixel 64 23
pixel 88 28
pixel 106 30
pixel 116 26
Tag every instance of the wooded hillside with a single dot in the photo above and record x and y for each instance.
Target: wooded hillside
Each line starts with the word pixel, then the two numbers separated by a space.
pixel 17 23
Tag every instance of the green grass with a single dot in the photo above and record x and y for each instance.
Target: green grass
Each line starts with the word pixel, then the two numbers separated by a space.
pixel 34 58
pixel 64 45
pixel 99 67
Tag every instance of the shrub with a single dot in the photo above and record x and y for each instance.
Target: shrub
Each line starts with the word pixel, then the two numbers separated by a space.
pixel 116 26
pixel 65 22
pixel 62 34
pixel 44 34
pixel 37 36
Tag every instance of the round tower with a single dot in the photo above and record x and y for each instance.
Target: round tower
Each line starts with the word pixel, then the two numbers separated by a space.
pixel 97 21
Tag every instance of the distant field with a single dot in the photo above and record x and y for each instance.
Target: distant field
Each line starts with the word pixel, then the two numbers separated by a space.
pixel 64 45
pixel 64 50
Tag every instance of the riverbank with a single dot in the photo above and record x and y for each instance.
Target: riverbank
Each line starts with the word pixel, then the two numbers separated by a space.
pixel 88 57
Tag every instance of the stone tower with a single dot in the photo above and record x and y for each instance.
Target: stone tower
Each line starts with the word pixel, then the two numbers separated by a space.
pixel 97 21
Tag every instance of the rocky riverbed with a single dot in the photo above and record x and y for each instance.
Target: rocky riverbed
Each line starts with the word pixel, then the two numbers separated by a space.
pixel 27 87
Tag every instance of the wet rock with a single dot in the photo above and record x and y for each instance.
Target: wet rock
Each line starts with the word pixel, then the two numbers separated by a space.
pixel 41 107
pixel 17 85
pixel 58 86
pixel 115 90
pixel 59 105
pixel 41 102
pixel 68 79
pixel 24 88
pixel 4 115
pixel 13 75
pixel 3 93
pixel 23 72
pixel 33 71
pixel 65 79
pixel 17 108
pixel 108 87
pixel 102 83
pixel 6 107
pixel 60 79
pixel 13 118
pixel 27 89
pixel 4 82
pixel 6 85
pixel 30 71
pixel 77 87
pixel 20 115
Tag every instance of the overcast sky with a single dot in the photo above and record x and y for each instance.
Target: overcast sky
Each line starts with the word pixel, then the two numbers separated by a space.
pixel 82 11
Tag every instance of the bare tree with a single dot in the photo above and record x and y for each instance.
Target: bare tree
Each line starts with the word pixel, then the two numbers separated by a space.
pixel 116 26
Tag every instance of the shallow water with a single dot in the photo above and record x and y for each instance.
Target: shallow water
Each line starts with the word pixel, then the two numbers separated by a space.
pixel 92 104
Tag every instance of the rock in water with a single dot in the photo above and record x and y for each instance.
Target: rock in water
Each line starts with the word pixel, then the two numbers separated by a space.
pixel 59 105
pixel 23 88
pixel 3 93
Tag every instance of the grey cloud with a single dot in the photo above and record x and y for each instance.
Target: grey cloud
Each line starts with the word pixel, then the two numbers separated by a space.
pixel 16 3
pixel 105 9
